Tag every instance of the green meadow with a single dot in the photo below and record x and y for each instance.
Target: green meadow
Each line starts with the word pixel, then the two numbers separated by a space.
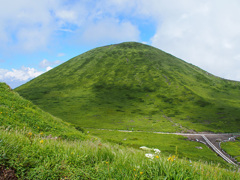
pixel 169 144
pixel 232 148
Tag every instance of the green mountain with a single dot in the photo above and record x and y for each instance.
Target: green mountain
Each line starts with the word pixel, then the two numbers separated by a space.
pixel 17 113
pixel 136 86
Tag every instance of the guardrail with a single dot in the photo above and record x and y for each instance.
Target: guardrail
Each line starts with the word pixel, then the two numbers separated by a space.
pixel 218 151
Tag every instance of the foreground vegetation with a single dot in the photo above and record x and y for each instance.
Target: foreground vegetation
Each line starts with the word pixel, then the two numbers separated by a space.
pixel 17 112
pixel 34 157
pixel 136 86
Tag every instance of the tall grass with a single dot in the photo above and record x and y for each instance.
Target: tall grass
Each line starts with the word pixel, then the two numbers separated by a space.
pixel 17 112
pixel 33 156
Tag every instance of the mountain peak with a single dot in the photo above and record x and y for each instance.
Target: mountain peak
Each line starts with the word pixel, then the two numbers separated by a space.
pixel 133 85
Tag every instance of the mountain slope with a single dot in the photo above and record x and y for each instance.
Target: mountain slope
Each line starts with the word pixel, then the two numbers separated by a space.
pixel 28 152
pixel 19 113
pixel 135 86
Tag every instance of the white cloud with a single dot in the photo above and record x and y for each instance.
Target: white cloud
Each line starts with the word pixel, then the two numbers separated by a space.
pixel 67 15
pixel 2 73
pixel 23 74
pixel 27 25
pixel 110 30
pixel 61 54
pixel 45 63
pixel 204 33
pixel 48 68
pixel 17 77
pixel 32 39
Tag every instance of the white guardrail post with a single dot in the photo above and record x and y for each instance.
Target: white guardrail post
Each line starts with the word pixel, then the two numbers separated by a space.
pixel 218 151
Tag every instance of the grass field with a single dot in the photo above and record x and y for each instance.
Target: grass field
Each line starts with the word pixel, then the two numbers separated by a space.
pixel 167 143
pixel 232 148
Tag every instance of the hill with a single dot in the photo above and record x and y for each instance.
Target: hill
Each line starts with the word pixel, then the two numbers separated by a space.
pixel 17 113
pixel 136 86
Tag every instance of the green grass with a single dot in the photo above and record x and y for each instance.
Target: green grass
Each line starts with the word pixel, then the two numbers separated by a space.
pixel 19 113
pixel 167 143
pixel 232 148
pixel 93 159
pixel 132 85
pixel 25 147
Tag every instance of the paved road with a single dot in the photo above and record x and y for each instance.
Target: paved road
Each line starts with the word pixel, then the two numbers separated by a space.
pixel 218 151
pixel 213 141
pixel 210 139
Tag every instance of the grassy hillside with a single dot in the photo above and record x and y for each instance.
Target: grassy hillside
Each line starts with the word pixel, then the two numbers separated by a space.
pixel 19 113
pixel 28 152
pixel 136 86
pixel 232 148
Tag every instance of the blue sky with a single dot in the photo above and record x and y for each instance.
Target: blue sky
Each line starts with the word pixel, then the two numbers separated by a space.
pixel 36 36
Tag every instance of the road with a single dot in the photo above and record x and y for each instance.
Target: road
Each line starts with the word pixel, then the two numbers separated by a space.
pixel 218 151
pixel 211 140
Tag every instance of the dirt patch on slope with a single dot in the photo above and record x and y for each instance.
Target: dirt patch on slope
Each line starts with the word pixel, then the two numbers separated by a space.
pixel 7 174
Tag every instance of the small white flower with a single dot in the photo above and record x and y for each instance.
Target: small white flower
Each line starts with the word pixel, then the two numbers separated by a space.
pixel 150 156
pixel 157 151
pixel 145 148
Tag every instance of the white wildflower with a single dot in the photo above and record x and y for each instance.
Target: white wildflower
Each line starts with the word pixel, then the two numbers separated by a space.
pixel 157 151
pixel 145 148
pixel 150 156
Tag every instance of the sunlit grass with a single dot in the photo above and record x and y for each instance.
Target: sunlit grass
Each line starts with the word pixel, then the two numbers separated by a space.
pixel 93 159
pixel 232 148
pixel 167 143
pixel 17 112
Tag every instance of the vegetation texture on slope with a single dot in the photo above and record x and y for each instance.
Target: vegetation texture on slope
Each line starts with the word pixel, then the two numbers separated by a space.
pixel 232 148
pixel 26 149
pixel 136 86
pixel 18 113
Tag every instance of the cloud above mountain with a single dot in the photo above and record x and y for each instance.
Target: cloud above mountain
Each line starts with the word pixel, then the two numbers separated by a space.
pixel 16 77
pixel 205 33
